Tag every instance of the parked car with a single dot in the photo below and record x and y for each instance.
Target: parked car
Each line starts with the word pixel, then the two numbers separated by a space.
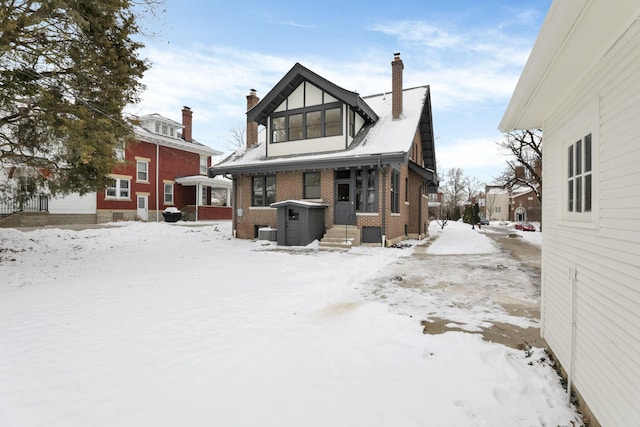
pixel 525 226
pixel 484 221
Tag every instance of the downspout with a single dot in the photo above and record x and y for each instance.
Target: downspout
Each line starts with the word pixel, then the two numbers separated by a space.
pixel 420 209
pixel 573 277
pixel 234 221
pixel 384 203
pixel 157 183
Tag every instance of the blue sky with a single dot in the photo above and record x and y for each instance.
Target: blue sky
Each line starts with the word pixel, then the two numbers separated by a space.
pixel 208 54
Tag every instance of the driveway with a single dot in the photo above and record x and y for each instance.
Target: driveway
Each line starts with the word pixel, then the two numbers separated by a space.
pixel 496 295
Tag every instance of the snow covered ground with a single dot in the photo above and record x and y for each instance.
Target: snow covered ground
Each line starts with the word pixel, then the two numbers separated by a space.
pixel 178 324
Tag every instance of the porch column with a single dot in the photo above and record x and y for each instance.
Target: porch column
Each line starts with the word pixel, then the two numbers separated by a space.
pixel 228 197
pixel 198 198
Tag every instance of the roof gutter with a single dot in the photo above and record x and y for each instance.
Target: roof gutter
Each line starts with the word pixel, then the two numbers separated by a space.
pixel 265 167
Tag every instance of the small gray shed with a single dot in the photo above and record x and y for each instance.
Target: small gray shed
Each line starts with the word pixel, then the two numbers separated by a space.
pixel 300 222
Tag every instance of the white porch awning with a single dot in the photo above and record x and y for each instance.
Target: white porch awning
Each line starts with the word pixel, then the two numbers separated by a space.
pixel 205 181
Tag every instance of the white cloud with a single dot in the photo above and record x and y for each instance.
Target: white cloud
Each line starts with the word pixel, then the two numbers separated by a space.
pixel 421 33
pixel 479 157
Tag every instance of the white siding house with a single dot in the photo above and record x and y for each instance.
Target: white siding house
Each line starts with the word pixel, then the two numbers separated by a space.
pixel 581 85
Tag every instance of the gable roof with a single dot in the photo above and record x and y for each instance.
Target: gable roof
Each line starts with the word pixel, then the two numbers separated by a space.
pixel 385 141
pixel 298 73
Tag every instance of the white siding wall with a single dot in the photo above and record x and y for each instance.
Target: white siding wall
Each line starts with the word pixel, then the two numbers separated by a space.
pixel 603 248
pixel 73 204
pixel 306 146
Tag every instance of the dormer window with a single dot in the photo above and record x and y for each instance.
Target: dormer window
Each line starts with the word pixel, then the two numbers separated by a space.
pixel 307 123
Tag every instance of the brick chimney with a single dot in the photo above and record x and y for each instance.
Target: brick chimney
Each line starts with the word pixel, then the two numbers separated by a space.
pixel 252 127
pixel 186 123
pixel 396 86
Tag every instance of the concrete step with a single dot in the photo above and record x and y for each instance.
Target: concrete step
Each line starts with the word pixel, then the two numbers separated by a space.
pixel 334 245
pixel 341 236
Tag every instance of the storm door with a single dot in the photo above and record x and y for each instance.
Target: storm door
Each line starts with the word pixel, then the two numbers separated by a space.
pixel 143 208
pixel 344 212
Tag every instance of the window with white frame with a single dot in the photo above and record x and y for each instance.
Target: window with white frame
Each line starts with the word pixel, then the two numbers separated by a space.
pixel 118 188
pixel 168 193
pixel 579 176
pixel 203 164
pixel 142 170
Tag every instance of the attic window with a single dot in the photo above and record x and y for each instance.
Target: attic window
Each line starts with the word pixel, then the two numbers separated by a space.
pixel 307 123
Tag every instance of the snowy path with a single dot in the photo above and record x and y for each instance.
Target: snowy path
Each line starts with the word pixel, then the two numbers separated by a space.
pixel 157 324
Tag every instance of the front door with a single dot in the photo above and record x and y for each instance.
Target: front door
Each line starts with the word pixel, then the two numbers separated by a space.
pixel 344 212
pixel 143 208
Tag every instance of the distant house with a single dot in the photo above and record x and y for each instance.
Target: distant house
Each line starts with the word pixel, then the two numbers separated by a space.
pixel 524 205
pixel 369 162
pixel 496 203
pixel 581 86
pixel 165 168
pixel 435 204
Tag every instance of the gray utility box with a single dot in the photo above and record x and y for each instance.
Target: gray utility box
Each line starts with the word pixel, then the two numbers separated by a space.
pixel 300 222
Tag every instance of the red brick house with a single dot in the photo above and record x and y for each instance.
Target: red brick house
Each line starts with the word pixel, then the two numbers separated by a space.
pixel 165 168
pixel 369 161
pixel 524 205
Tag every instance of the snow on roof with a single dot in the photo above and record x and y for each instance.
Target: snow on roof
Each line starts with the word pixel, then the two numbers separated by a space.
pixel 386 136
pixel 217 182
pixel 497 191
pixel 519 191
pixel 192 146
pixel 305 203
pixel 158 117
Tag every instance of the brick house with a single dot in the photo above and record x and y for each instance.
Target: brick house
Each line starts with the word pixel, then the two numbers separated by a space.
pixel 165 168
pixel 524 205
pixel 368 161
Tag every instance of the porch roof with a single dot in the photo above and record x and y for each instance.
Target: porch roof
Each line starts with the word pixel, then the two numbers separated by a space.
pixel 217 182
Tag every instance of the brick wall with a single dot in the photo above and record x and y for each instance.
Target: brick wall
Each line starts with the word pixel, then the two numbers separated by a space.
pixel 289 186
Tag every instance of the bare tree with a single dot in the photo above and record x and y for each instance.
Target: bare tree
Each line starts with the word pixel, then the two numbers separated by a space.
pixel 454 189
pixel 237 137
pixel 525 166
pixel 524 169
pixel 472 187
pixel 442 222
